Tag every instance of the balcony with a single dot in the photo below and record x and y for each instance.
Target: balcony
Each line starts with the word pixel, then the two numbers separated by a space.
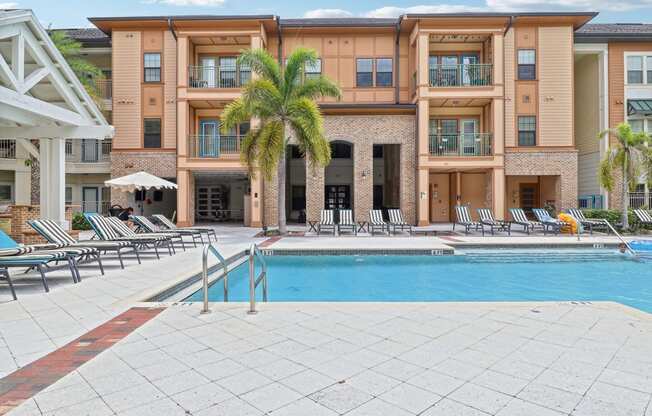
pixel 211 147
pixel 88 151
pixel 217 77
pixel 105 88
pixel 460 75
pixel 640 200
pixel 465 145
pixel 7 149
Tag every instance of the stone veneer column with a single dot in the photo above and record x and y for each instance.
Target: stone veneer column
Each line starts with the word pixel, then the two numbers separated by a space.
pixel 315 182
pixel 363 180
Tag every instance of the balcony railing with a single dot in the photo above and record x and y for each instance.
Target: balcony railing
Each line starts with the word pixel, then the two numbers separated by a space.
pixel 640 200
pixel 206 146
pixel 217 77
pixel 105 88
pixel 467 144
pixel 101 207
pixel 7 149
pixel 462 75
pixel 88 151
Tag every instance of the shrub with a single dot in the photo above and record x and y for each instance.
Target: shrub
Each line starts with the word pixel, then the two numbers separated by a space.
pixel 614 217
pixel 79 222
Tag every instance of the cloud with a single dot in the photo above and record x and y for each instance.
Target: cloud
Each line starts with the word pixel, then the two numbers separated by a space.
pixel 320 13
pixel 10 5
pixel 390 11
pixel 187 2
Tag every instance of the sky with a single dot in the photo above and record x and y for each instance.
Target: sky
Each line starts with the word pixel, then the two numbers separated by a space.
pixel 73 13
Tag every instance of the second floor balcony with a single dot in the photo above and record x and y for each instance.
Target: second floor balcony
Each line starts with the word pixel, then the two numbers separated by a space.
pixel 7 149
pixel 212 76
pixel 460 144
pixel 88 151
pixel 460 75
pixel 214 146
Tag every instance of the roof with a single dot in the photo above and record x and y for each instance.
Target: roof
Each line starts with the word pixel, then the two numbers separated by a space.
pixel 605 32
pixel 88 37
pixel 340 22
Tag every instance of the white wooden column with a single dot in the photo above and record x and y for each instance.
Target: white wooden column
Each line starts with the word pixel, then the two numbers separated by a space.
pixel 52 160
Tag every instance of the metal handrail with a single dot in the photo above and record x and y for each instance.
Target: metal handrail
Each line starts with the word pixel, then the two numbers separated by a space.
pixel 204 274
pixel 622 240
pixel 254 252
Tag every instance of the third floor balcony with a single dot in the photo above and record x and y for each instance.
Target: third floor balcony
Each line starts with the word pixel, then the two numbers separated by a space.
pixel 460 144
pixel 459 75
pixel 214 73
pixel 212 146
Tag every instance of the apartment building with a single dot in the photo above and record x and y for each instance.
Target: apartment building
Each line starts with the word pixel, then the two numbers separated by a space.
pixel 87 161
pixel 436 110
pixel 613 85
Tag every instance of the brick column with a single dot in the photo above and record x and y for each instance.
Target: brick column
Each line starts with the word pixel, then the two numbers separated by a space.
pixel 363 180
pixel 315 182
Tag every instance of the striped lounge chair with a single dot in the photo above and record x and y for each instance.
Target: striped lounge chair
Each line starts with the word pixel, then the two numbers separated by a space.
pixel 163 239
pixel 396 220
pixel 326 222
pixel 519 217
pixel 346 221
pixel 463 218
pixel 487 220
pixel 643 217
pixel 55 234
pixel 589 223
pixel 145 225
pixel 106 232
pixel 548 222
pixel 376 221
pixel 164 221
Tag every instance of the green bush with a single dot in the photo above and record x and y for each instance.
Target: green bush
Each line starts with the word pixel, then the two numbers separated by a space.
pixel 614 217
pixel 79 222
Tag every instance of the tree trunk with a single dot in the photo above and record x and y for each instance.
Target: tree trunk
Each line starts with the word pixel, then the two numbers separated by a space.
pixel 625 216
pixel 282 226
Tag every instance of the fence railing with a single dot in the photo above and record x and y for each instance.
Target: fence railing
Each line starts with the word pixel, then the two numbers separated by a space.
pixel 105 88
pixel 211 146
pixel 217 77
pixel 466 144
pixel 7 149
pixel 461 75
pixel 640 200
pixel 88 151
pixel 589 202
pixel 101 207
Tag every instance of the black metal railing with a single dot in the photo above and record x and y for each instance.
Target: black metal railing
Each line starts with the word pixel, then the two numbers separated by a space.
pixel 461 75
pixel 217 77
pixel 466 144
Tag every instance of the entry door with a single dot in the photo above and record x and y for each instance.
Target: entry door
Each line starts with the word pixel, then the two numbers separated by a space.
pixel 439 197
pixel 90 199
pixel 208 72
pixel 529 197
pixel 469 71
pixel 90 150
pixel 468 145
pixel 209 138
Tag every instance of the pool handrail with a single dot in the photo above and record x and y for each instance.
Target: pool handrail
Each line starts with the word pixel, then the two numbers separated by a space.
pixel 209 248
pixel 629 248
pixel 255 253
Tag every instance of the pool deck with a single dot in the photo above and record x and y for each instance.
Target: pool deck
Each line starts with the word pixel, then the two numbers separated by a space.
pixel 314 358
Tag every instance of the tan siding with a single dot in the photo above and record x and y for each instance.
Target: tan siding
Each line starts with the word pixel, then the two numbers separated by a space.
pixel 509 89
pixel 127 73
pixel 170 91
pixel 587 104
pixel 555 86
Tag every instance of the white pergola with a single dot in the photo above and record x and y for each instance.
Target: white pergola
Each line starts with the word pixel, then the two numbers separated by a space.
pixel 41 98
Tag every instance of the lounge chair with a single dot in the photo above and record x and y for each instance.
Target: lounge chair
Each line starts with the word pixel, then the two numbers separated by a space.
pixel 172 226
pixel 55 234
pixel 376 221
pixel 326 222
pixel 346 221
pixel 519 217
pixel 166 240
pixel 487 219
pixel 106 232
pixel 145 225
pixel 463 218
pixel 588 223
pixel 548 222
pixel 643 217
pixel 396 220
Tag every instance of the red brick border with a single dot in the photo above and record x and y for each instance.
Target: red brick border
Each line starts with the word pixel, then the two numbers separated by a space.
pixel 269 241
pixel 25 382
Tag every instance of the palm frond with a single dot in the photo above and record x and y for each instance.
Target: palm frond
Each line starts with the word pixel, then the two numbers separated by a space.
pixel 296 65
pixel 271 144
pixel 262 64
pixel 234 113
pixel 607 166
pixel 261 95
pixel 249 150
pixel 318 87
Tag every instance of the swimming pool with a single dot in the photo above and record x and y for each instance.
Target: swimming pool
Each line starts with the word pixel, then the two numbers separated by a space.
pixel 505 275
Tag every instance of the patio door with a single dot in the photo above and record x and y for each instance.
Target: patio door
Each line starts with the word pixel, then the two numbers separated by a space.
pixel 449 67
pixel 90 199
pixel 529 197
pixel 469 71
pixel 208 71
pixel 209 138
pixel 467 139
pixel 228 75
pixel 90 150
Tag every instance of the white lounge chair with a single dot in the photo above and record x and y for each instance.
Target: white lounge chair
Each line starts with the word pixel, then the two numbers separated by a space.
pixel 463 218
pixel 326 222
pixel 396 220
pixel 376 221
pixel 487 219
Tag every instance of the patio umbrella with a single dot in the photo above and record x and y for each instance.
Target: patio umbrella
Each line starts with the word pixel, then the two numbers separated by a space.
pixel 139 181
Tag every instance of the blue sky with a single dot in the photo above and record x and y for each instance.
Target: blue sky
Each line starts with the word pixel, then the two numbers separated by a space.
pixel 73 13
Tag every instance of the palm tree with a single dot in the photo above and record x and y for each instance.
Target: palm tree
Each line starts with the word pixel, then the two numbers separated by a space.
pixel 631 155
pixel 89 75
pixel 280 98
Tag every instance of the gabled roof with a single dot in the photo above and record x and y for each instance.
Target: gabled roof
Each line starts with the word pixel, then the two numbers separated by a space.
pixel 339 22
pixel 605 32
pixel 88 37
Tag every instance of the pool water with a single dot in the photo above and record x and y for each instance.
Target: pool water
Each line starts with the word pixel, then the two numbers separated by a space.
pixel 515 275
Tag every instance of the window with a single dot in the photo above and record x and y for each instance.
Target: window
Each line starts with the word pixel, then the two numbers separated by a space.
pixel 378 151
pixel 527 64
pixel 636 125
pixel 152 137
pixel 634 69
pixel 648 65
pixel 527 131
pixel 244 128
pixel 152 64
pixel 313 71
pixel 298 197
pixel 68 195
pixel 5 192
pixel 340 151
pixel 364 72
pixel 384 72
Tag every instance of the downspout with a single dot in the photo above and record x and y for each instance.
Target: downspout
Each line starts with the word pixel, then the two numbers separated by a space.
pixel 171 27
pixel 280 40
pixel 397 59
